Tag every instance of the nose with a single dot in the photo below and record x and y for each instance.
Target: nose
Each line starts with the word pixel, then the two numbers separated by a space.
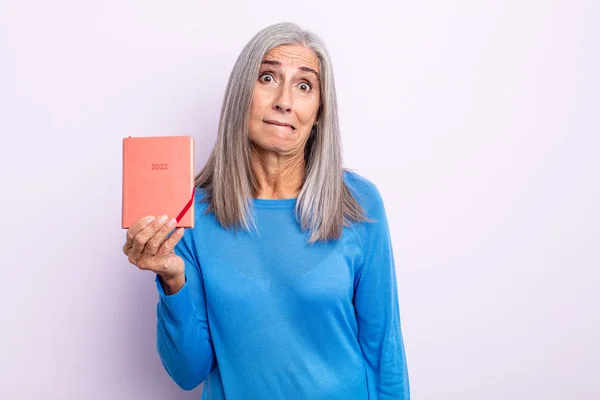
pixel 283 100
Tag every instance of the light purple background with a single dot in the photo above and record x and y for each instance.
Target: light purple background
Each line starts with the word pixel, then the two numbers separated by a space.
pixel 478 121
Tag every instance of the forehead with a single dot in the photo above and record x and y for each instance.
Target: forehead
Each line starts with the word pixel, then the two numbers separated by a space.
pixel 294 56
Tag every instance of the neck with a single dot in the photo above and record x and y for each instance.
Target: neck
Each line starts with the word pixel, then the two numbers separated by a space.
pixel 278 177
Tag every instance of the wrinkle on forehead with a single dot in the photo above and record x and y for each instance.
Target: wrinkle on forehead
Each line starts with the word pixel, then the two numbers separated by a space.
pixel 294 55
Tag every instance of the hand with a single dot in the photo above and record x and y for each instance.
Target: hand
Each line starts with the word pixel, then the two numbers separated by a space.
pixel 147 248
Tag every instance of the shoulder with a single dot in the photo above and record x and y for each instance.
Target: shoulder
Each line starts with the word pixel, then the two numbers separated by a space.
pixel 201 205
pixel 365 192
pixel 200 199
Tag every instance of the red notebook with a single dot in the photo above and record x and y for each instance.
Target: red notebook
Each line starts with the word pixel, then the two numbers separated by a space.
pixel 158 178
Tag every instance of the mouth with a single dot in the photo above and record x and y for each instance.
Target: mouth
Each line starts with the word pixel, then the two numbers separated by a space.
pixel 273 122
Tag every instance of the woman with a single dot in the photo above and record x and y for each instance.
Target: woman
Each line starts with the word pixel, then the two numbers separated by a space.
pixel 286 286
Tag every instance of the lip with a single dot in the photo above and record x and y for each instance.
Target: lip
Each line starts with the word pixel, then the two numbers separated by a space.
pixel 273 122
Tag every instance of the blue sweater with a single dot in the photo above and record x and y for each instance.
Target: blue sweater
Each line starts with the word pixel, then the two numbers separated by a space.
pixel 266 316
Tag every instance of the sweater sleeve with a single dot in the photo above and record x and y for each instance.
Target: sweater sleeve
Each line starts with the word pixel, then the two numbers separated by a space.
pixel 182 335
pixel 377 309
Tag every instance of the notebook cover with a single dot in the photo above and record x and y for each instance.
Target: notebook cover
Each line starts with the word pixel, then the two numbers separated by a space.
pixel 158 178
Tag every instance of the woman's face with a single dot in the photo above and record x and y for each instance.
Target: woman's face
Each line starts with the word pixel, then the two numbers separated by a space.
pixel 285 100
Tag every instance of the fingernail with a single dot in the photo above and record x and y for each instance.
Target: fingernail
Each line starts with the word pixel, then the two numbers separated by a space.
pixel 162 218
pixel 172 222
pixel 150 218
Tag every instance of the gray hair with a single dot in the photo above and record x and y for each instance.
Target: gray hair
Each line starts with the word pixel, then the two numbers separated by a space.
pixel 325 203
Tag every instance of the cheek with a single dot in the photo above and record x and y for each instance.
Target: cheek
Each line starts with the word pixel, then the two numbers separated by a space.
pixel 260 100
pixel 308 112
pixel 253 110
pixel 255 117
pixel 254 128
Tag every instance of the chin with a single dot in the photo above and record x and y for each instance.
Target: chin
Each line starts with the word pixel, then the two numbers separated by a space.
pixel 280 147
pixel 275 145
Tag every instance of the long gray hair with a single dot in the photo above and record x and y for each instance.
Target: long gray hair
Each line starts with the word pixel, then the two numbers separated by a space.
pixel 325 203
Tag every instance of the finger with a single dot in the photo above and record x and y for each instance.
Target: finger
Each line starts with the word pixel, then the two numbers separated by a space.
pixel 154 243
pixel 134 230
pixel 169 244
pixel 140 239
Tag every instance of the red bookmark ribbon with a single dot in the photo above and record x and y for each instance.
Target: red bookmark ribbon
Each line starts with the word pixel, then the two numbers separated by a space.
pixel 187 206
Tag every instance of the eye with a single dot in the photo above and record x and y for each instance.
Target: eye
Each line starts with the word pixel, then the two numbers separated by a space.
pixel 267 75
pixel 305 87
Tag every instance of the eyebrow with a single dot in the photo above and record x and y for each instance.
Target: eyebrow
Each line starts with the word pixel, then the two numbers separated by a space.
pixel 305 69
